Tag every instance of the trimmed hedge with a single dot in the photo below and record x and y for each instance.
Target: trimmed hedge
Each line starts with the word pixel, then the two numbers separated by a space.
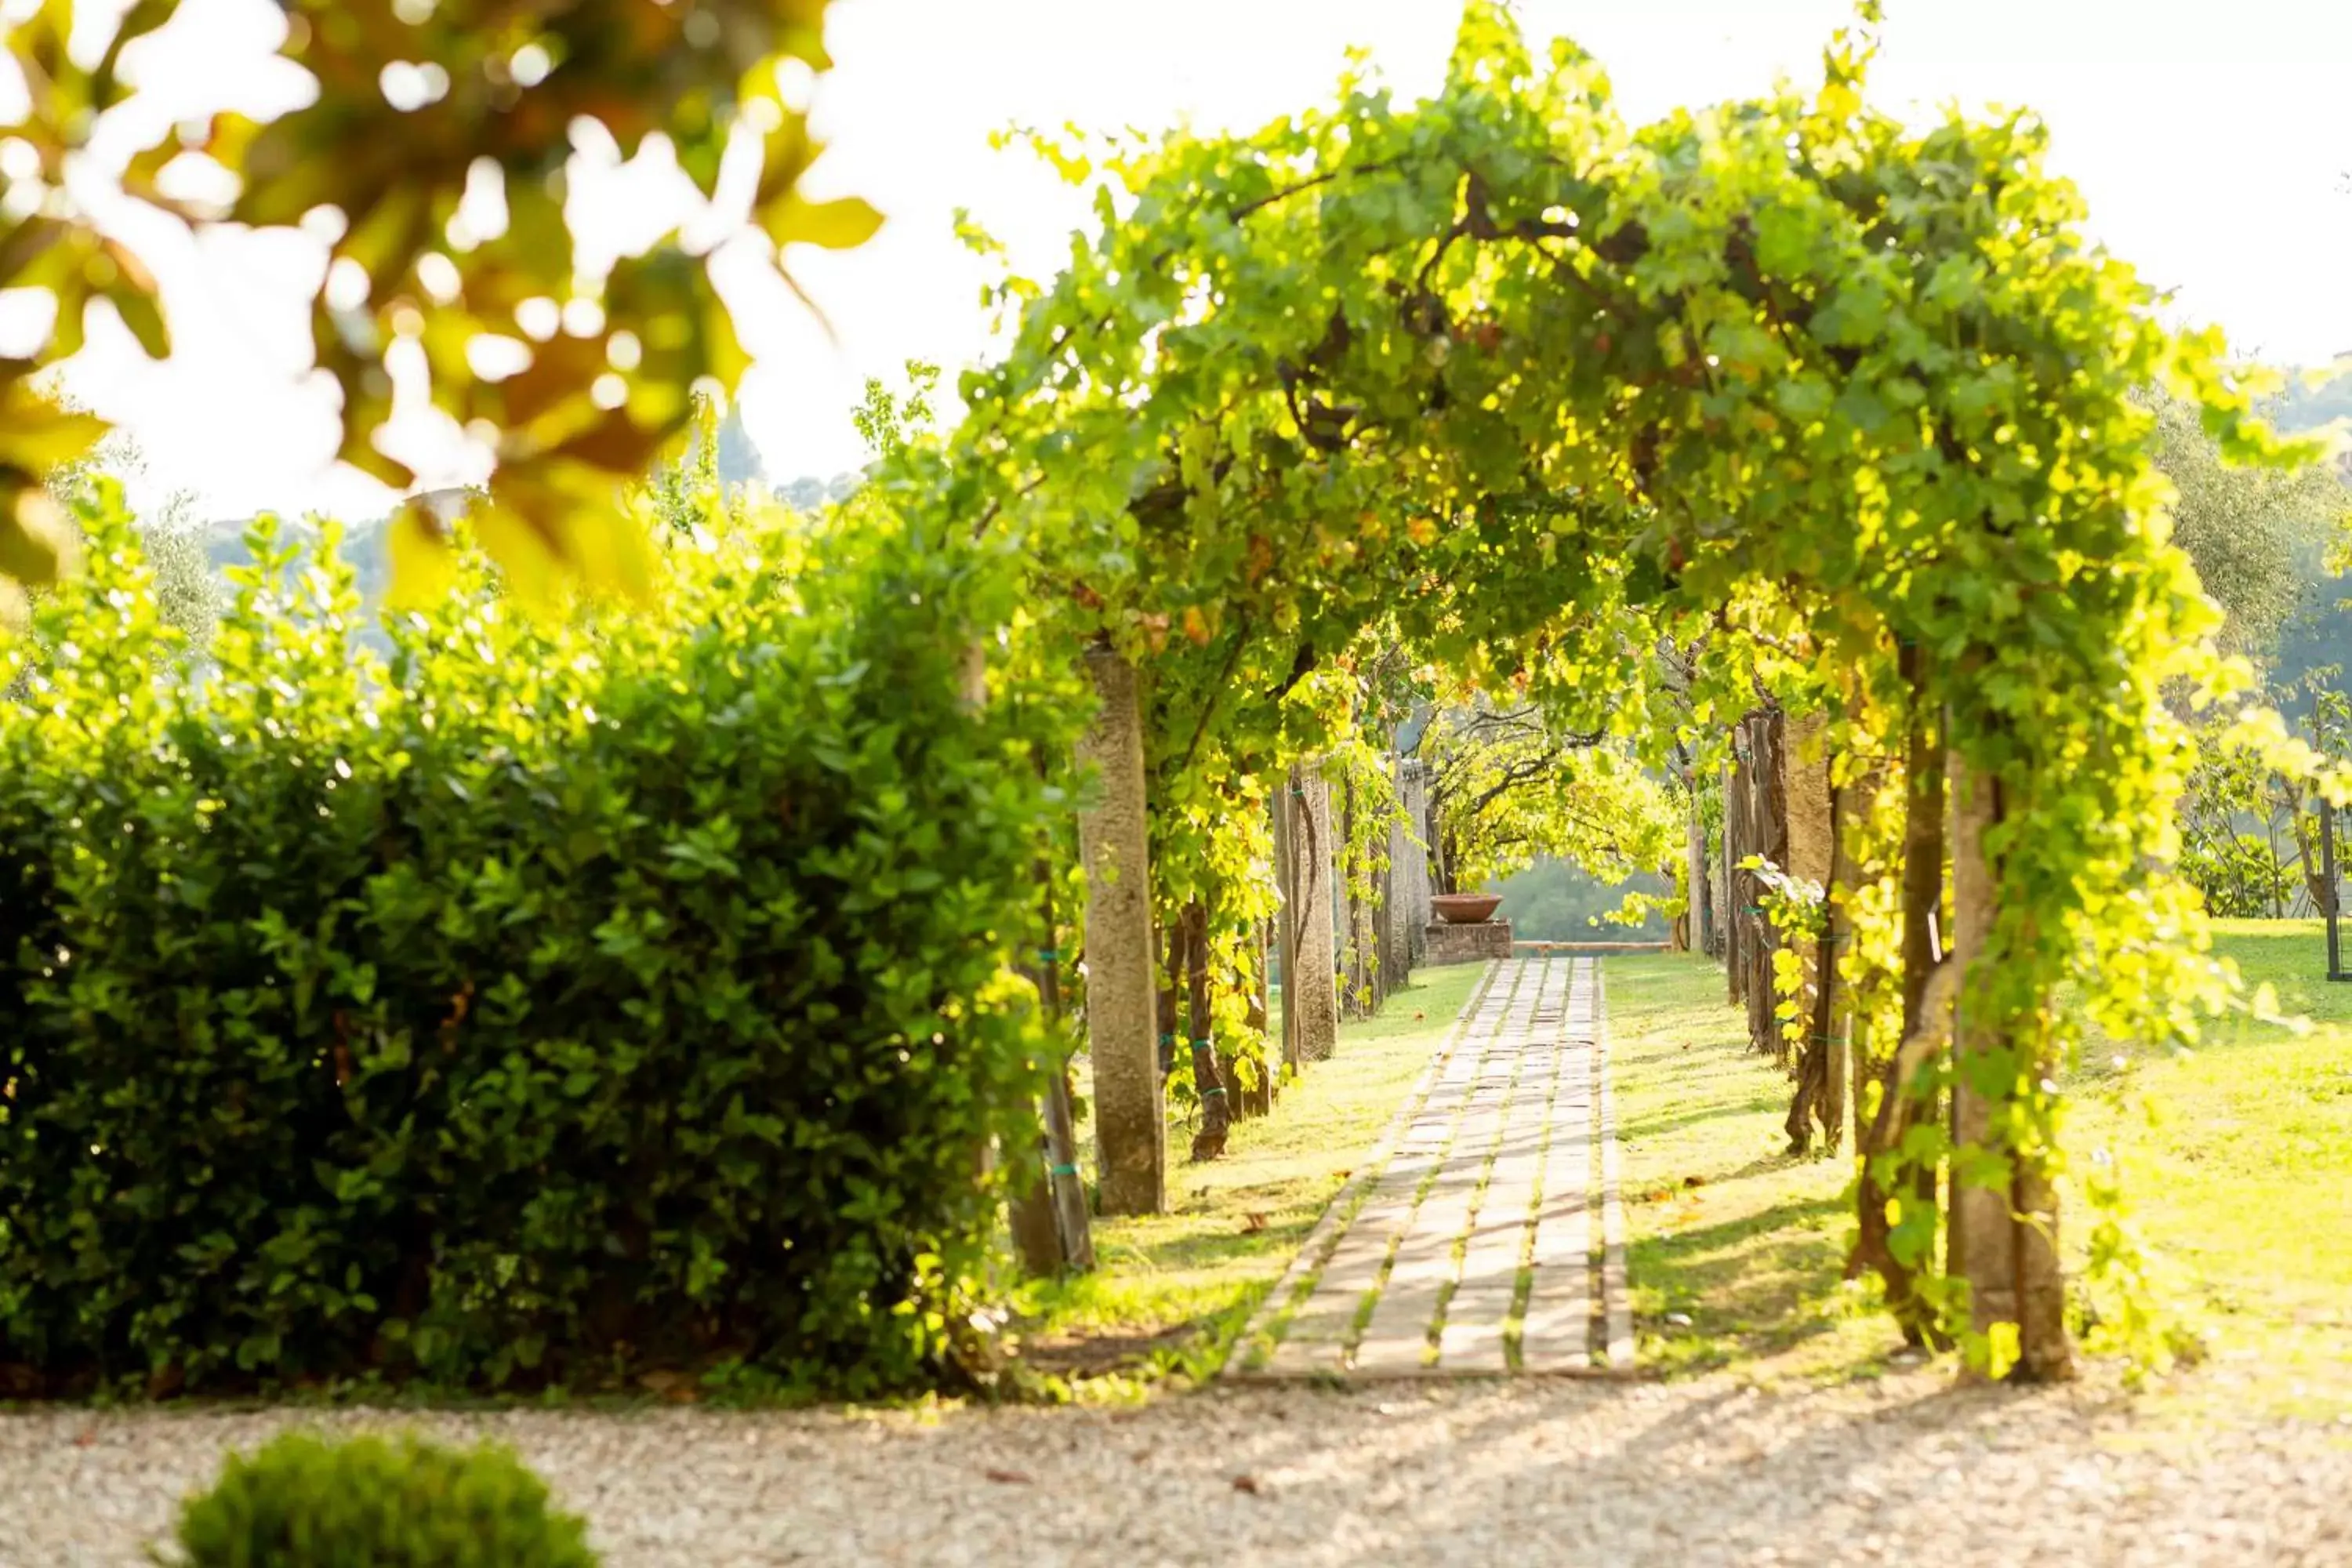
pixel 547 998
pixel 305 1502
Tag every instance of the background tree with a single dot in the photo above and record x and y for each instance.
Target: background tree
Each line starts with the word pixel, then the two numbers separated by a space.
pixel 188 595
pixel 2259 536
pixel 2262 542
pixel 1508 786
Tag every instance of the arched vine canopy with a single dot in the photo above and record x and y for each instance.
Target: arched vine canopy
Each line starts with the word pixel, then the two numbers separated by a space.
pixel 1531 390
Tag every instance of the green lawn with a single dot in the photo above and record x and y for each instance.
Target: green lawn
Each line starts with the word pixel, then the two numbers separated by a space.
pixel 1174 1289
pixel 2238 1157
pixel 2240 1170
pixel 1723 1228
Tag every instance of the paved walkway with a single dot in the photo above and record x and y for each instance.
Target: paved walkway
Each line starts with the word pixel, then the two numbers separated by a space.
pixel 1484 1234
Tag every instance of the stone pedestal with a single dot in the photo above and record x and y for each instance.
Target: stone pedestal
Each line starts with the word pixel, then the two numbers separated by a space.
pixel 1468 944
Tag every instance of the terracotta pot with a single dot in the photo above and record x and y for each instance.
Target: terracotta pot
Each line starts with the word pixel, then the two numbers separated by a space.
pixel 1465 909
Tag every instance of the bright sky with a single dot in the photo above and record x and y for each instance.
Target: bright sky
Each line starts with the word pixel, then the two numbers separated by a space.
pixel 2211 140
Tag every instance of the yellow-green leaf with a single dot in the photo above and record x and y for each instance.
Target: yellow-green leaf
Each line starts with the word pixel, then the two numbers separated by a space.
pixel 35 539
pixel 423 568
pixel 842 225
pixel 140 313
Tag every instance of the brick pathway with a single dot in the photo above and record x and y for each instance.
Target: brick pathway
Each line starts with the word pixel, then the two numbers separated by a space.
pixel 1466 1242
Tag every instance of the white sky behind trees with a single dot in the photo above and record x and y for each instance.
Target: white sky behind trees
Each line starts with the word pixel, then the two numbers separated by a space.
pixel 2212 142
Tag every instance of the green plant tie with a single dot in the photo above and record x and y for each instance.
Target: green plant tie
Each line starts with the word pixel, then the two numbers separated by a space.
pixel 1060 1170
pixel 1049 955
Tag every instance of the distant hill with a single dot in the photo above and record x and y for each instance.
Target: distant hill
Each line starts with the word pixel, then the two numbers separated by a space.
pixel 808 492
pixel 363 546
pixel 364 543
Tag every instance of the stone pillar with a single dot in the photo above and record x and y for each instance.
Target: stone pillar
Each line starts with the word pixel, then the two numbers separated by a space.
pixel 1313 992
pixel 1113 839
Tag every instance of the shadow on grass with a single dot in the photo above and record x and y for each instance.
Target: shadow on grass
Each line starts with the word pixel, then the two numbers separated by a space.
pixel 1656 1125
pixel 1756 1284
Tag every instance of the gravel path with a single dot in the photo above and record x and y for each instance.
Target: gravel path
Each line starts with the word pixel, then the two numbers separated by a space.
pixel 1527 1471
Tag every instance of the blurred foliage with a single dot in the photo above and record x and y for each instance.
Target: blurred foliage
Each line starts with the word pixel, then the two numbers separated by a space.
pixel 434 158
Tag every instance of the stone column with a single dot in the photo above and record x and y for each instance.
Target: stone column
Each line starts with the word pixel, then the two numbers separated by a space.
pixel 1314 991
pixel 1113 839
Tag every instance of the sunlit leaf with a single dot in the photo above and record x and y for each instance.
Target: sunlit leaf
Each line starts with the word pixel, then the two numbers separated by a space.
pixel 423 567
pixel 839 224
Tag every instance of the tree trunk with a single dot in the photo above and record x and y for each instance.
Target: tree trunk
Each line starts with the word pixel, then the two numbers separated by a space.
pixel 1343 916
pixel 1354 917
pixel 2004 1236
pixel 1764 818
pixel 1905 1091
pixel 1113 844
pixel 1982 1245
pixel 1074 1223
pixel 1168 952
pixel 1216 1116
pixel 1701 901
pixel 1056 1207
pixel 1310 986
pixel 1735 929
pixel 1258 1098
pixel 1050 1223
pixel 1409 870
pixel 1036 1230
pixel 1286 918
pixel 1851 809
pixel 1811 810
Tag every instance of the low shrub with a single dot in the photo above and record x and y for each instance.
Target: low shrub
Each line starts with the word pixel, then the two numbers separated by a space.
pixel 548 996
pixel 304 1502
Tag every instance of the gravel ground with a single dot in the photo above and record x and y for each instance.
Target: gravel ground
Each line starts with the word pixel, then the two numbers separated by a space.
pixel 1901 1471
